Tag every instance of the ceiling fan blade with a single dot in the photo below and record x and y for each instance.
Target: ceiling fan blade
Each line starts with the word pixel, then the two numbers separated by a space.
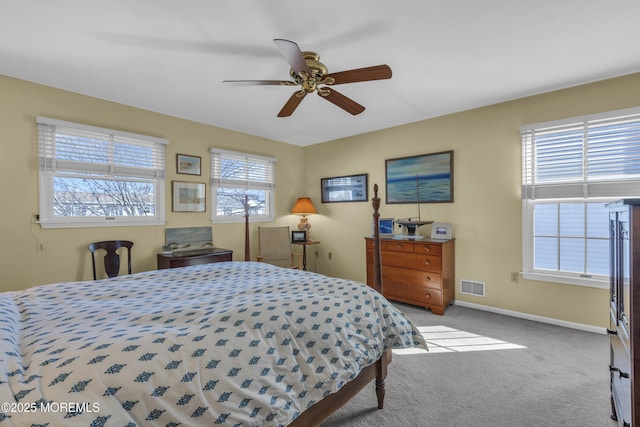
pixel 347 104
pixel 293 55
pixel 292 104
pixel 378 72
pixel 260 82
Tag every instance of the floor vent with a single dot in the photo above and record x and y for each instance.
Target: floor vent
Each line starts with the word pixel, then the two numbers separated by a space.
pixel 471 287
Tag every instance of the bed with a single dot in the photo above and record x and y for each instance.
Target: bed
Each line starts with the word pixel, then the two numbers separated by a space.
pixel 233 343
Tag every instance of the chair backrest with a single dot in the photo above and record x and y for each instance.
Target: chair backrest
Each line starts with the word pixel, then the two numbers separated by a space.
pixel 274 245
pixel 111 258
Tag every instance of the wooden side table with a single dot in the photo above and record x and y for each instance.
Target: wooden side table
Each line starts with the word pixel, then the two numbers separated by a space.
pixel 196 257
pixel 304 250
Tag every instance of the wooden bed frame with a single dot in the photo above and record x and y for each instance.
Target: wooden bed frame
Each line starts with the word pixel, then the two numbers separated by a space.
pixel 318 413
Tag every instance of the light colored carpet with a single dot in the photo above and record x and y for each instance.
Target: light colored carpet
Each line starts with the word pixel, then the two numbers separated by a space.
pixel 561 378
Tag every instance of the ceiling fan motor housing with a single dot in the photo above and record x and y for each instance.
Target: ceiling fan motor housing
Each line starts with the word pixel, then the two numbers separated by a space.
pixel 318 70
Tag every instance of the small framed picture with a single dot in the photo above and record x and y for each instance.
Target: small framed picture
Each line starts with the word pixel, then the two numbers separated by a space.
pixel 298 236
pixel 441 231
pixel 188 165
pixel 188 196
pixel 385 226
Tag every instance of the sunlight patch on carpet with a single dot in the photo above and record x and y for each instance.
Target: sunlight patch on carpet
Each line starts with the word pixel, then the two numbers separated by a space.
pixel 442 339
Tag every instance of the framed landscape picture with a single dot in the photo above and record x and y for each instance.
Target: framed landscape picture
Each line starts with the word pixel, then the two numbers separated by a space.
pixel 188 196
pixel 427 178
pixel 351 188
pixel 188 165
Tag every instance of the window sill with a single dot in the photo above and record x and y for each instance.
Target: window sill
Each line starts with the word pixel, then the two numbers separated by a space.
pixel 577 281
pixel 100 223
pixel 231 219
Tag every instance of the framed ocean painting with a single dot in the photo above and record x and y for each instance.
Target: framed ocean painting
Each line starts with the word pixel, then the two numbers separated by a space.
pixel 427 178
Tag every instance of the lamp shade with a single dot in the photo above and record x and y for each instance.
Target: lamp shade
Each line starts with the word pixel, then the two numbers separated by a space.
pixel 303 206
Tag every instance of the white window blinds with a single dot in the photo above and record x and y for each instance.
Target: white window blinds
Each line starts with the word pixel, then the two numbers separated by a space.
pixel 81 148
pixel 239 170
pixel 592 156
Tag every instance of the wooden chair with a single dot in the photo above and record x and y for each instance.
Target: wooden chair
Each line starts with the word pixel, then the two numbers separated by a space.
pixel 274 247
pixel 111 258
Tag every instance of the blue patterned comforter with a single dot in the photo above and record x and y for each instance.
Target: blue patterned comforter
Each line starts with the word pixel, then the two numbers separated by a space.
pixel 235 343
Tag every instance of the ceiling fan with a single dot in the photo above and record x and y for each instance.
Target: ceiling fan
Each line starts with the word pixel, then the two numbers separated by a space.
pixel 309 73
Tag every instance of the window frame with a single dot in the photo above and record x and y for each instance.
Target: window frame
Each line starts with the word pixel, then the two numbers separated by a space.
pixel 528 252
pixel 267 184
pixel 50 168
pixel 584 189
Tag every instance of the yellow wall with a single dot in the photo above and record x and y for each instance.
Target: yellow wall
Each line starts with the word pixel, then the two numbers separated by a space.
pixel 486 213
pixel 30 255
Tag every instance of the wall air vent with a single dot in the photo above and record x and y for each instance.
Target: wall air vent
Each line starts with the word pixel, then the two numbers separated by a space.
pixel 471 287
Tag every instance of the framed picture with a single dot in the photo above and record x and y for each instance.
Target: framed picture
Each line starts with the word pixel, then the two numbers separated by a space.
pixel 351 188
pixel 441 231
pixel 188 196
pixel 385 226
pixel 427 178
pixel 298 236
pixel 188 165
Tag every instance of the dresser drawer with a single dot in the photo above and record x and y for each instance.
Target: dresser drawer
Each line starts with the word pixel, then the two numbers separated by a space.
pixel 411 293
pixel 197 257
pixel 397 246
pixel 428 249
pixel 188 261
pixel 411 277
pixel 413 261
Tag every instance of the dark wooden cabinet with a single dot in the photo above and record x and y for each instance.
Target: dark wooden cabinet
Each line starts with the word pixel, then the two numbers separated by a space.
pixel 419 272
pixel 624 308
pixel 187 258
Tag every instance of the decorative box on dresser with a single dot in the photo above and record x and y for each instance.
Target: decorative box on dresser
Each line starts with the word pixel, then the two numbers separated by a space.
pixel 419 272
pixel 624 332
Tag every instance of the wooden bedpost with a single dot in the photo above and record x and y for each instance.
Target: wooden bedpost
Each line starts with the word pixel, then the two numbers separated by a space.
pixel 247 246
pixel 319 412
pixel 377 270
pixel 381 365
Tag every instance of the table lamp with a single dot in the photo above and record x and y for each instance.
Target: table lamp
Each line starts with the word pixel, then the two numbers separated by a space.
pixel 304 206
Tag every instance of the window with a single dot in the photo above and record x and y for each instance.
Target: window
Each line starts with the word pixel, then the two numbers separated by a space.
pixel 96 177
pixel 570 170
pixel 236 177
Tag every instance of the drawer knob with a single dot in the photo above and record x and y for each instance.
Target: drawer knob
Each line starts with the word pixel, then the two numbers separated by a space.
pixel 427 295
pixel 427 249
pixel 427 262
pixel 398 246
pixel 427 279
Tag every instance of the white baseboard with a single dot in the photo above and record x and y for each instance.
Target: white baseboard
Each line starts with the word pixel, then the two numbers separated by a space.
pixel 549 320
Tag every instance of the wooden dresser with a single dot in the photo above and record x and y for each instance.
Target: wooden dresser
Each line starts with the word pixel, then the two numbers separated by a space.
pixel 419 272
pixel 197 257
pixel 624 308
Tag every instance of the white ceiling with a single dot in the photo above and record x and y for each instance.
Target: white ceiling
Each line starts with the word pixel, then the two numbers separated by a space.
pixel 171 56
